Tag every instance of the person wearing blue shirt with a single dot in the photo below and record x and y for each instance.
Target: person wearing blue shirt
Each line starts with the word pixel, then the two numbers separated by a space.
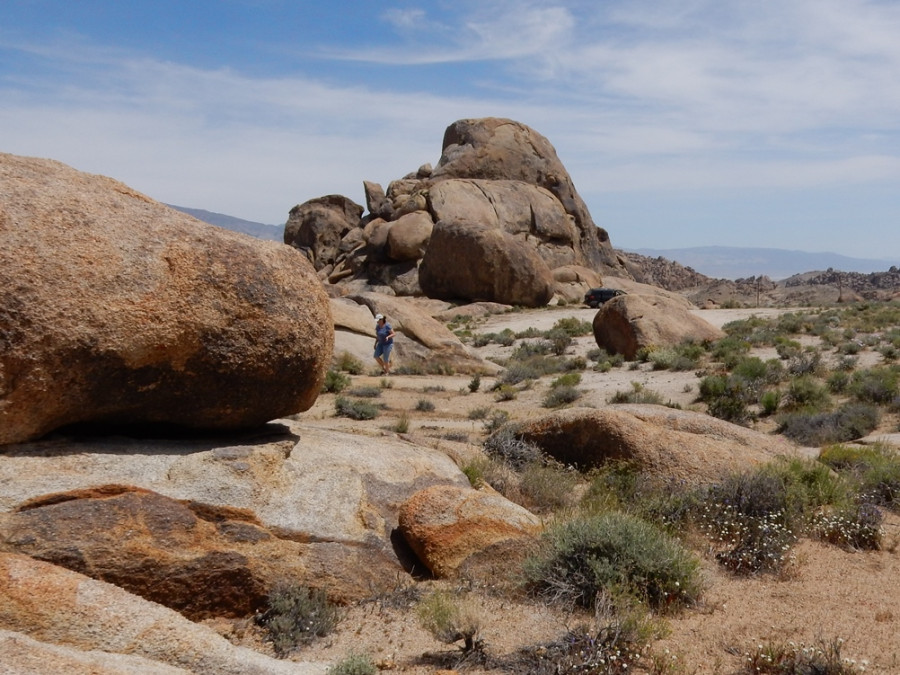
pixel 384 343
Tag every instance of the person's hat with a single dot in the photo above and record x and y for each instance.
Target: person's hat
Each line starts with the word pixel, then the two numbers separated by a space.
pixel 379 317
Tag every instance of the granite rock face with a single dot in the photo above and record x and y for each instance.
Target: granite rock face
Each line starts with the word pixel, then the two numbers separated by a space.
pixel 117 309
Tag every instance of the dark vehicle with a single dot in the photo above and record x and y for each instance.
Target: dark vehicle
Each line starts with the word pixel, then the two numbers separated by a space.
pixel 597 296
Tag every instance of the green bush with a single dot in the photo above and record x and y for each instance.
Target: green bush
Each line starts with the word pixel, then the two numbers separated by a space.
pixel 355 409
pixel 874 385
pixel 424 405
pixel 567 380
pixel 875 470
pixel 560 396
pixel 349 363
pixel 545 488
pixel 804 392
pixel 475 383
pixel 296 615
pixel 638 394
pixel 608 552
pixel 574 327
pixel 727 397
pixel 354 664
pixel 335 382
pixel 856 527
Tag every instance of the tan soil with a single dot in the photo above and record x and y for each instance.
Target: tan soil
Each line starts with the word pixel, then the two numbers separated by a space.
pixel 827 593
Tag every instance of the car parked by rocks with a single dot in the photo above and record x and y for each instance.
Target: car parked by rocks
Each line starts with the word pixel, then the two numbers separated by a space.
pixel 597 296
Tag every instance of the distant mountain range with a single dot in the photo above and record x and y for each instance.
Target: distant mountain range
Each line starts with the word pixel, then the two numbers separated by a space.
pixel 258 230
pixel 726 262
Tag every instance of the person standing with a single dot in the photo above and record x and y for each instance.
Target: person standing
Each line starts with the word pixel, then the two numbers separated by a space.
pixel 384 343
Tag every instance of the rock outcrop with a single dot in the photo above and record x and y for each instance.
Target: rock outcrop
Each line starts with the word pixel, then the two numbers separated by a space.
pixel 450 528
pixel 54 606
pixel 667 443
pixel 117 309
pixel 203 561
pixel 498 194
pixel 629 323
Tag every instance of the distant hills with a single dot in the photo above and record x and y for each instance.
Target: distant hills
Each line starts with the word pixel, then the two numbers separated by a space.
pixel 725 262
pixel 258 230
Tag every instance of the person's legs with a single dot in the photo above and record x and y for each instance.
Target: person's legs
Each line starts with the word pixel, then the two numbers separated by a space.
pixel 386 359
pixel 379 356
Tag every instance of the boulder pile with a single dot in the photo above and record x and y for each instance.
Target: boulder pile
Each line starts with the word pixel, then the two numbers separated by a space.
pixel 493 221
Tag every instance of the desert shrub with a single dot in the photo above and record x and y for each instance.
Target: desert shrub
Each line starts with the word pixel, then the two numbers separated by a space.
pixel 747 516
pixel 574 326
pixel 451 617
pixel 797 659
pixel 495 421
pixel 354 664
pixel 475 383
pixel 807 362
pixel 804 392
pixel 365 392
pixel 385 383
pixel 787 349
pixel 729 350
pixel 857 526
pixel 875 470
pixel 478 413
pixel 546 487
pixel 414 368
pixel 505 445
pixel 296 615
pixel 769 401
pixel 612 551
pixel 573 364
pixel 559 341
pixel 850 421
pixel 874 385
pixel 424 405
pixel 560 396
pixel 685 356
pixel 355 409
pixel 614 644
pixel 506 392
pixel 567 380
pixel 838 381
pixel 727 397
pixel 349 363
pixel 335 382
pixel 638 394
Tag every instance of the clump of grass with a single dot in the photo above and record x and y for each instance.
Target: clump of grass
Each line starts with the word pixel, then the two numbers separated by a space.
pixel 595 552
pixel 875 470
pixel 451 617
pixel 856 527
pixel 355 409
pixel 875 385
pixel 546 487
pixel 424 405
pixel 354 664
pixel 479 413
pixel 506 392
pixel 295 616
pixel 402 424
pixel 475 383
pixel 506 446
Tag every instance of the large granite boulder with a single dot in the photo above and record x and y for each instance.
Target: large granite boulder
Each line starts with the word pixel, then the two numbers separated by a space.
pixel 451 528
pixel 502 149
pixel 475 262
pixel 55 606
pixel 667 443
pixel 629 323
pixel 115 308
pixel 408 237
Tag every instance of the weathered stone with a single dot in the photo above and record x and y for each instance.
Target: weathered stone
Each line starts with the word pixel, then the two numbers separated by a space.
pixel 628 323
pixel 571 282
pixel 447 525
pixel 53 605
pixel 377 202
pixel 668 443
pixel 408 237
pixel 201 560
pixel 488 264
pixel 501 149
pixel 145 314
pixel 317 227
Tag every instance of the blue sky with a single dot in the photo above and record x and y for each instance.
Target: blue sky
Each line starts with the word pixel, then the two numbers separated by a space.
pixel 772 123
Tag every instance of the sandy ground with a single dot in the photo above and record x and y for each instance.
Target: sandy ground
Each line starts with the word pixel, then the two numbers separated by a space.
pixel 827 594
